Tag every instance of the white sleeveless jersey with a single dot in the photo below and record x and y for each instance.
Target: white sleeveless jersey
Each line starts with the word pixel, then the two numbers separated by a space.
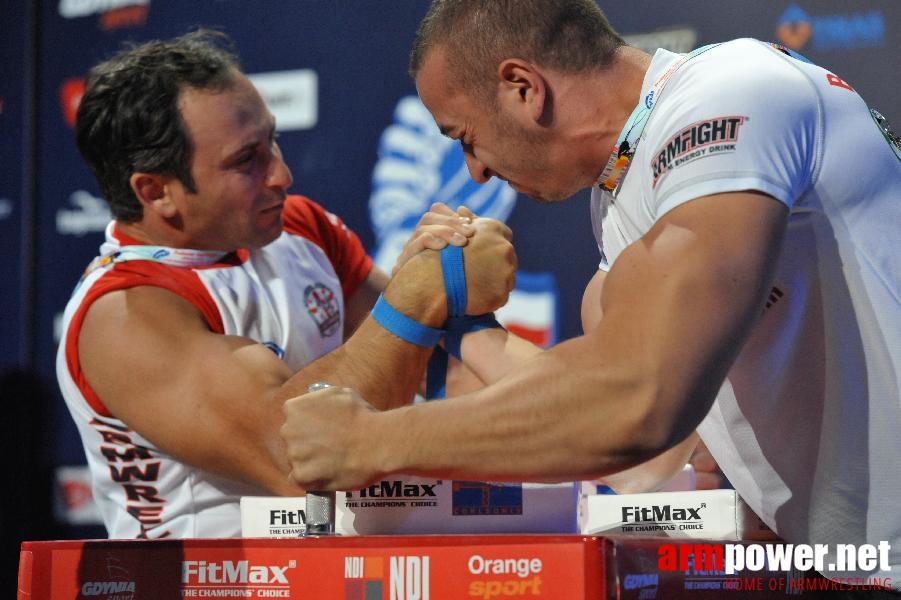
pixel 808 424
pixel 288 295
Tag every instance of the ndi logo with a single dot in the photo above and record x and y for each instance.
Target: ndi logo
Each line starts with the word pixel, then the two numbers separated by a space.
pixel 409 578
pixel 363 577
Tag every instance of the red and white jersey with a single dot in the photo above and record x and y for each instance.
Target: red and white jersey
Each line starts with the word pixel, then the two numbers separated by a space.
pixel 807 424
pixel 289 295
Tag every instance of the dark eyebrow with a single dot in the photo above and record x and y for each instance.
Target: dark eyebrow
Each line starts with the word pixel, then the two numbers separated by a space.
pixel 444 130
pixel 241 150
pixel 250 146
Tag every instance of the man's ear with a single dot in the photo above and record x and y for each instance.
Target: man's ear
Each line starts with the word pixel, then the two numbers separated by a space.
pixel 152 191
pixel 523 86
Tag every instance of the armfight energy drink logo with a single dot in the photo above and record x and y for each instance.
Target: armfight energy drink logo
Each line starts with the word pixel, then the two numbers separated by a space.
pixel 698 140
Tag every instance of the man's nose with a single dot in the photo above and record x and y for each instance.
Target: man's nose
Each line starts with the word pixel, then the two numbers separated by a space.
pixel 279 173
pixel 477 170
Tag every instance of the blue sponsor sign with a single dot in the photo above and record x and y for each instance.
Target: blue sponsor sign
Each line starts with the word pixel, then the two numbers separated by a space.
pixel 481 498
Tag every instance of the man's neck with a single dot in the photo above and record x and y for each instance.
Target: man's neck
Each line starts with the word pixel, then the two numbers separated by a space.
pixel 618 90
pixel 138 232
pixel 599 104
pixel 145 233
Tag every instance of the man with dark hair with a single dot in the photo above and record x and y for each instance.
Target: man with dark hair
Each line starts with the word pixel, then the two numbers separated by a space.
pixel 131 120
pixel 215 291
pixel 749 282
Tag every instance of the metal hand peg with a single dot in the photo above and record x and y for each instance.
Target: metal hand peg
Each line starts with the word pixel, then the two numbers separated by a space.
pixel 320 513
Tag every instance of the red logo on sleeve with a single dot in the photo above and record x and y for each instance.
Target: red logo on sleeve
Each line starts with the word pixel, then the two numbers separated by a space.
pixel 837 81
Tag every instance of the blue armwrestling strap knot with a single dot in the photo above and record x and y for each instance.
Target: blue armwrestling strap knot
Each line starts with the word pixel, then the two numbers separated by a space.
pixel 458 323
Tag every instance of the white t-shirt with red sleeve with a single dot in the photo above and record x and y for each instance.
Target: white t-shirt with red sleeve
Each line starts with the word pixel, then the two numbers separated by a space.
pixel 289 295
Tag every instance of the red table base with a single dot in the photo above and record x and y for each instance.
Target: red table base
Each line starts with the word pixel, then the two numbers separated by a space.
pixel 556 567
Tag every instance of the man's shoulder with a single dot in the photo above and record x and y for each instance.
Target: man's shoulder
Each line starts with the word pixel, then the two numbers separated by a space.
pixel 303 215
pixel 299 202
pixel 308 219
pixel 137 275
pixel 744 66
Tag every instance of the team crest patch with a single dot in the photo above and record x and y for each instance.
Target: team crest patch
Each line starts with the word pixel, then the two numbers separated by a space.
pixel 322 304
pixel 698 140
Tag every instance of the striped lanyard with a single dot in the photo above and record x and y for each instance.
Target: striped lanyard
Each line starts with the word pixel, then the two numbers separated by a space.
pixel 621 156
pixel 177 257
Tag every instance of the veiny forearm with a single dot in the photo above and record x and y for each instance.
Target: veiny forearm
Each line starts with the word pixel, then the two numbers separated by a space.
pixel 677 307
pixel 385 369
pixel 551 420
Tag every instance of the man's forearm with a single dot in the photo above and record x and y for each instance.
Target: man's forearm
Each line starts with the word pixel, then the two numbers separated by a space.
pixel 541 423
pixel 493 352
pixel 384 368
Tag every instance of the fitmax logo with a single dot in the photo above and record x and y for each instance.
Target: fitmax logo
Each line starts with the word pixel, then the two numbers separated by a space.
pixel 661 513
pixel 287 517
pixel 397 489
pixel 231 572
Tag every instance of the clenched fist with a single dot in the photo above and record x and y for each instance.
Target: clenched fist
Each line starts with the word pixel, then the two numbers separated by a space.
pixel 324 434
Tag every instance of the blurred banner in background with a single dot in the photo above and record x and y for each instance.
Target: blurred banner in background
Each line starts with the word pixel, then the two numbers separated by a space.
pixel 354 134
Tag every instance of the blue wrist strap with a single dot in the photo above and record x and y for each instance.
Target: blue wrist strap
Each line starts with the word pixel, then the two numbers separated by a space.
pixel 457 327
pixel 454 280
pixel 436 375
pixel 458 323
pixel 403 326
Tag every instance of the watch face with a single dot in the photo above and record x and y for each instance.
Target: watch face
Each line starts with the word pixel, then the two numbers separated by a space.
pixel 885 127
